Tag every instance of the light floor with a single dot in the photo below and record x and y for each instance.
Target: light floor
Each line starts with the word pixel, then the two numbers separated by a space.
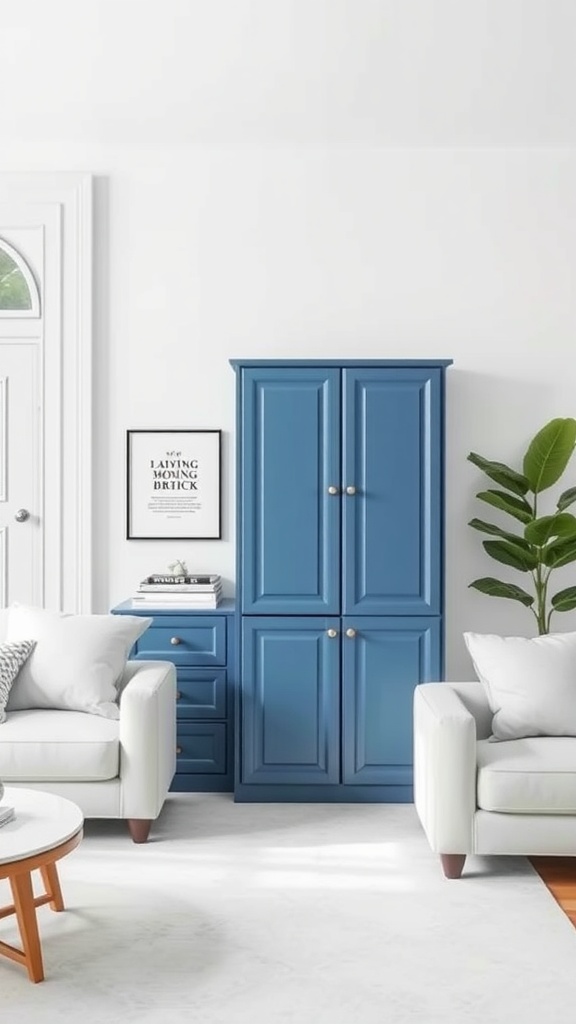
pixel 308 913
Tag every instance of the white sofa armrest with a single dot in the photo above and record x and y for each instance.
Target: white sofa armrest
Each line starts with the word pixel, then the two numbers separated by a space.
pixel 147 736
pixel 444 767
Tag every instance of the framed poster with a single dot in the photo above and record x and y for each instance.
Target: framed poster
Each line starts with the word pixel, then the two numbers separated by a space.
pixel 173 484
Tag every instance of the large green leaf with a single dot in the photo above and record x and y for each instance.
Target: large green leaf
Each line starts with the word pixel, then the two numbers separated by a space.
pixel 564 600
pixel 517 507
pixel 496 588
pixel 566 498
pixel 501 473
pixel 548 453
pixel 511 554
pixel 559 552
pixel 497 531
pixel 542 530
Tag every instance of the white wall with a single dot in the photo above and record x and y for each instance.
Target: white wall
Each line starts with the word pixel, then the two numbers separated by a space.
pixel 208 251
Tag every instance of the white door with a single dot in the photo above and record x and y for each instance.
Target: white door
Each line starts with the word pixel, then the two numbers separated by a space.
pixel 22 520
pixel 21 533
pixel 45 392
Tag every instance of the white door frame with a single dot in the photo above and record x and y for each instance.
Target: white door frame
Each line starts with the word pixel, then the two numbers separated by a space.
pixel 66 391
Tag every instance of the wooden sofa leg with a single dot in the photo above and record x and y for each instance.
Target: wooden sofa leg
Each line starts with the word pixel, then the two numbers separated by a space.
pixel 139 829
pixel 453 864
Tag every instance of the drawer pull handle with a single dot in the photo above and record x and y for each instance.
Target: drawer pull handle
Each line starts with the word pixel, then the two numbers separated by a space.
pixel 351 490
pixel 178 750
pixel 175 640
pixel 332 490
pixel 331 633
pixel 351 633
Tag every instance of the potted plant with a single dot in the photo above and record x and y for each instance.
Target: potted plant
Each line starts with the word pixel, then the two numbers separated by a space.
pixel 537 544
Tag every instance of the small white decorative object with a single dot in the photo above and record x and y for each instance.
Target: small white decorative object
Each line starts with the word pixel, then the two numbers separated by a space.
pixel 178 568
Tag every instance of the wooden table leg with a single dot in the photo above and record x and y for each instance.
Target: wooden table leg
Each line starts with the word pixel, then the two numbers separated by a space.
pixel 51 881
pixel 19 875
pixel 23 896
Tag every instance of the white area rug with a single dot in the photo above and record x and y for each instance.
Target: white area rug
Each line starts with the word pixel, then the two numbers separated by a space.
pixel 317 914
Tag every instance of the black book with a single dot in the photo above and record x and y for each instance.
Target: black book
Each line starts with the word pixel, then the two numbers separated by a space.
pixel 169 579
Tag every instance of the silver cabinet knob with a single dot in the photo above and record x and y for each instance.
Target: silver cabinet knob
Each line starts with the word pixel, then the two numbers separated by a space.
pixel 331 633
pixel 22 515
pixel 332 489
pixel 175 640
pixel 351 490
pixel 351 633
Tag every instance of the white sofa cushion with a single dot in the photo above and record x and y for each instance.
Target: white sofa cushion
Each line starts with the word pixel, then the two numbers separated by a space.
pixel 77 660
pixel 535 775
pixel 39 745
pixel 530 683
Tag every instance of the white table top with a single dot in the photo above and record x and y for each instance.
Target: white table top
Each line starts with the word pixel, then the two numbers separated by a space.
pixel 42 822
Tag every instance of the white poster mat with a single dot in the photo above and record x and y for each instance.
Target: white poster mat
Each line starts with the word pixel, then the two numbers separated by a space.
pixel 173 484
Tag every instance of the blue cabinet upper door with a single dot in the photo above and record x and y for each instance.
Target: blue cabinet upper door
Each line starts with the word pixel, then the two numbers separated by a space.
pixel 382 662
pixel 290 700
pixel 290 517
pixel 392 487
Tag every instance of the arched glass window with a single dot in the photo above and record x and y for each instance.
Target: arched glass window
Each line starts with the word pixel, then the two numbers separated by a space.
pixel 18 291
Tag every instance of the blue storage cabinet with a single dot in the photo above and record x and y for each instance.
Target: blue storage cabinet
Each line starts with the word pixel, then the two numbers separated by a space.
pixel 340 573
pixel 200 643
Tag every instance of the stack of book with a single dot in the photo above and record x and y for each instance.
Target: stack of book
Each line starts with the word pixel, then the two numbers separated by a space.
pixel 193 591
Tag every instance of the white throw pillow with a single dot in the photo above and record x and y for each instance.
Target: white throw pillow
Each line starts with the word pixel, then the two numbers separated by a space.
pixel 77 660
pixel 530 683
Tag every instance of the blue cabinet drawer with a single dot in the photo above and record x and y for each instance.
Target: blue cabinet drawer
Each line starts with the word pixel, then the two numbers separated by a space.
pixel 201 693
pixel 201 748
pixel 184 640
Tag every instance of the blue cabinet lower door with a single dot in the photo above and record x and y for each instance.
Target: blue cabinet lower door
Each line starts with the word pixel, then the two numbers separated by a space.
pixel 382 662
pixel 290 700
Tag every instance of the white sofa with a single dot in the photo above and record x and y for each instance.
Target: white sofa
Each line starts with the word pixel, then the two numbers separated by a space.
pixel 473 796
pixel 111 768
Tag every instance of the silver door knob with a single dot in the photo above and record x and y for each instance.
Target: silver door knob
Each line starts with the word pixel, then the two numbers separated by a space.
pixel 351 633
pixel 332 489
pixel 22 515
pixel 332 633
pixel 351 490
pixel 175 640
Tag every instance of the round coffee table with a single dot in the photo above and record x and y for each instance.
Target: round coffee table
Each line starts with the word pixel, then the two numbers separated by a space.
pixel 45 828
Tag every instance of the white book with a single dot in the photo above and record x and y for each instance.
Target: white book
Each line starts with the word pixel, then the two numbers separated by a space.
pixel 177 600
pixel 179 588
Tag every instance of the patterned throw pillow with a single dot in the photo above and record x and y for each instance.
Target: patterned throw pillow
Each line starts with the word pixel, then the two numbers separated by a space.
pixel 12 657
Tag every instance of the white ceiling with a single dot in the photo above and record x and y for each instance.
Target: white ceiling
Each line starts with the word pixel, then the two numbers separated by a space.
pixel 371 72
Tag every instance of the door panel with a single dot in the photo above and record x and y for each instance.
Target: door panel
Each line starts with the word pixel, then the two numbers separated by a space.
pixel 47 219
pixel 391 525
pixel 290 704
pixel 20 492
pixel 381 665
pixel 290 523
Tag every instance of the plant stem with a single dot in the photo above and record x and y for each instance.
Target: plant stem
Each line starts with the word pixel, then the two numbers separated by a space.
pixel 541 584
